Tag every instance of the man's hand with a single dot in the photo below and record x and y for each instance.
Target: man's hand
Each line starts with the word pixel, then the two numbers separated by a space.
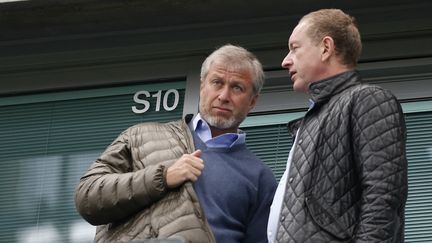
pixel 187 168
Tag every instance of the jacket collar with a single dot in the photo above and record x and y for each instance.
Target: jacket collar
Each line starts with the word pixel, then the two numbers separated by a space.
pixel 323 90
pixel 188 117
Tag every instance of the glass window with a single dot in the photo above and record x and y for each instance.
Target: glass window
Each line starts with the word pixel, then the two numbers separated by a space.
pixel 47 143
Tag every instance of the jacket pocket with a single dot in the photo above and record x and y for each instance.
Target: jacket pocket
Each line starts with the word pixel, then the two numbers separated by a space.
pixel 326 220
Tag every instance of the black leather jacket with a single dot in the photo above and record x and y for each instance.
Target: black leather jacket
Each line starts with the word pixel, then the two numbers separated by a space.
pixel 348 176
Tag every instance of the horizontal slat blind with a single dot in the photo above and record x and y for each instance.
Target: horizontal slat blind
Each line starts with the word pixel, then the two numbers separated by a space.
pixel 418 211
pixel 45 148
pixel 272 144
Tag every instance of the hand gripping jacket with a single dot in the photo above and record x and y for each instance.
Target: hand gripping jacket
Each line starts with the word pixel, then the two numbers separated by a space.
pixel 348 177
pixel 123 191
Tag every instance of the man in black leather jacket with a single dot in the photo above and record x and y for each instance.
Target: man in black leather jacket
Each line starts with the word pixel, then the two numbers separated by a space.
pixel 346 177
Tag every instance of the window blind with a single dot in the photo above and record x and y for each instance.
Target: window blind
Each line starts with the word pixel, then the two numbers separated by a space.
pixel 271 144
pixel 46 147
pixel 418 211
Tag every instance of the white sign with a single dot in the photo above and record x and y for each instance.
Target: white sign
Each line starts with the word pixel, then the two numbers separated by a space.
pixel 142 97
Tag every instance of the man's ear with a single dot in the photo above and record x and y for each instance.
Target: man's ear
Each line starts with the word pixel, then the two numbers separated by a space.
pixel 328 48
pixel 253 101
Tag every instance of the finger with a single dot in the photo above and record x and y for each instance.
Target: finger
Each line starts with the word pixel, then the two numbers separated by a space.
pixel 194 171
pixel 196 163
pixel 193 178
pixel 196 153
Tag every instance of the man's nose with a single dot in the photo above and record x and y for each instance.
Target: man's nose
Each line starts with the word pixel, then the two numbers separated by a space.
pixel 224 94
pixel 287 61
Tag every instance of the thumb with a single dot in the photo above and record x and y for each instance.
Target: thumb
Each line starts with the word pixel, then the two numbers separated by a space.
pixel 196 153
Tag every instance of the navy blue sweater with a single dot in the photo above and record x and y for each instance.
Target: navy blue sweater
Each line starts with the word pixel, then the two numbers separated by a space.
pixel 235 190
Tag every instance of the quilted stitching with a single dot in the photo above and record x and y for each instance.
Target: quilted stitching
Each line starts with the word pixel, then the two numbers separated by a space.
pixel 144 149
pixel 352 141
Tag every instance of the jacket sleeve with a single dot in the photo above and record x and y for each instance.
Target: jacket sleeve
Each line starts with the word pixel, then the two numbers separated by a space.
pixel 111 191
pixel 379 136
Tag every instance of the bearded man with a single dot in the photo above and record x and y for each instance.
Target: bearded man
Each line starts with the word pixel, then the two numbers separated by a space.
pixel 192 179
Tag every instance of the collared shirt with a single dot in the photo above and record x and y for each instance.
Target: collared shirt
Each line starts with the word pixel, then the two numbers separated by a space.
pixel 226 140
pixel 276 207
pixel 311 104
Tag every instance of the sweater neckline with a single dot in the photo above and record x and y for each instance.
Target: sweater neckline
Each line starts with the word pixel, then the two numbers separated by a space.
pixel 200 143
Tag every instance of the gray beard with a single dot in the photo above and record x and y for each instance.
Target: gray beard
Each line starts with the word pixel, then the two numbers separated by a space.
pixel 221 123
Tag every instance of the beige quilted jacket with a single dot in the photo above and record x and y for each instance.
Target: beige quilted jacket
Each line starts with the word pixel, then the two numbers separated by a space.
pixel 123 191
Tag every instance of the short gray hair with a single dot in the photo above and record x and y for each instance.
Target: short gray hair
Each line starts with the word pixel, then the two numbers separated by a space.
pixel 238 58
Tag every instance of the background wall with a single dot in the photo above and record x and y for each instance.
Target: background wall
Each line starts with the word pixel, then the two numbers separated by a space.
pixel 51 45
